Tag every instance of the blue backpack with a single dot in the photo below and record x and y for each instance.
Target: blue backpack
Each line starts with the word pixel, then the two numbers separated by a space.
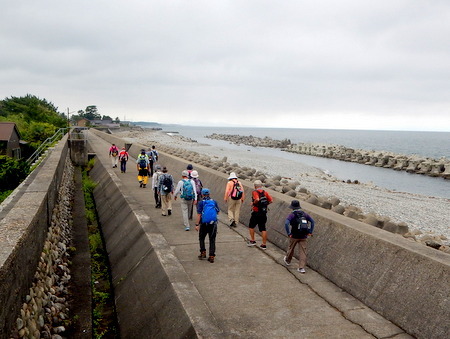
pixel 209 213
pixel 188 190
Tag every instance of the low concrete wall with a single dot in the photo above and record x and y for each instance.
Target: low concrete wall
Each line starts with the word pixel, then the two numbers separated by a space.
pixel 153 294
pixel 22 233
pixel 406 282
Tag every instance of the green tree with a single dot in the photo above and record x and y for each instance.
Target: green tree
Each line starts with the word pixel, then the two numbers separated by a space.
pixel 31 108
pixel 38 132
pixel 12 172
pixel 91 113
pixel 117 120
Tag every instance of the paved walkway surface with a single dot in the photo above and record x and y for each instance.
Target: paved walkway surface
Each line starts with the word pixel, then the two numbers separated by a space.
pixel 250 292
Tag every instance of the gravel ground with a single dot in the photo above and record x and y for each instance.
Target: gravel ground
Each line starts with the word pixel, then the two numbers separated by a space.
pixel 428 214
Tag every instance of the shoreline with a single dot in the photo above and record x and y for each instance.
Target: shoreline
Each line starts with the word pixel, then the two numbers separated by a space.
pixel 426 217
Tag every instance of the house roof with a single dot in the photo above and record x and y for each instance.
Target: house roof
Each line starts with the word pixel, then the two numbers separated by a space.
pixel 6 129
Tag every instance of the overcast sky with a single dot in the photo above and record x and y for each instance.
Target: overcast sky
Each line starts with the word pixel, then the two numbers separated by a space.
pixel 351 64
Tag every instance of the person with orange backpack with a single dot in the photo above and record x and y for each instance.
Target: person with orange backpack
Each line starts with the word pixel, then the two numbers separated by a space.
pixel 234 196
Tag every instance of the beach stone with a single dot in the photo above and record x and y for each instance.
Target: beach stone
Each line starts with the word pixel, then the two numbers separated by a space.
pixel 285 189
pixel 391 227
pixel 371 220
pixel 338 209
pixel 402 228
pixel 445 249
pixel 302 190
pixel 352 214
pixel 335 201
pixel 433 244
pixel 313 200
pixel 326 204
pixel 291 193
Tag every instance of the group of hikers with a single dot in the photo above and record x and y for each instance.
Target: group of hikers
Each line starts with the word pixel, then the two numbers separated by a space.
pixel 299 225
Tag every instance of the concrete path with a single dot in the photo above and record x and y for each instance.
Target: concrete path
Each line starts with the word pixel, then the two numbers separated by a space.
pixel 249 291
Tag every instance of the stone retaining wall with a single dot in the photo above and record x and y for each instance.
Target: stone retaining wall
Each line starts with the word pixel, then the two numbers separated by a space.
pixel 404 281
pixel 23 229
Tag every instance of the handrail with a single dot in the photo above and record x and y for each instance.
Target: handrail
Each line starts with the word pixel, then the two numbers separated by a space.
pixel 42 147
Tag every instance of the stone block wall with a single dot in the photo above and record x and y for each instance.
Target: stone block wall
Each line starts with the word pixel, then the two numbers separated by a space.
pixel 23 228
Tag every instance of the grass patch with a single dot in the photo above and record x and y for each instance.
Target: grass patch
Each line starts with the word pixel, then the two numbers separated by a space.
pixel 104 316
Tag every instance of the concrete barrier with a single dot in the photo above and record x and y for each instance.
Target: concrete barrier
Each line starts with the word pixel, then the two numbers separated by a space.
pixel 23 228
pixel 153 294
pixel 404 281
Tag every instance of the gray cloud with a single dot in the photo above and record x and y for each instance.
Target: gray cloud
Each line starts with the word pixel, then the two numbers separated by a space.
pixel 333 64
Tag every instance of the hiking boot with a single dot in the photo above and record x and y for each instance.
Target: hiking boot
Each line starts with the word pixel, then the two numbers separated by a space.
pixel 233 224
pixel 211 259
pixel 263 247
pixel 169 212
pixel 202 255
pixel 187 228
pixel 140 185
pixel 144 185
pixel 285 261
pixel 301 270
pixel 251 243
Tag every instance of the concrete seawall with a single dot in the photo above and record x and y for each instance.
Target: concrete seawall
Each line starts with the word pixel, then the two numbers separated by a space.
pixel 23 226
pixel 405 282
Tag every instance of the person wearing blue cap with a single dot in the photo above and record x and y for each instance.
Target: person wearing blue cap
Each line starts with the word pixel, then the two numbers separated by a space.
pixel 207 211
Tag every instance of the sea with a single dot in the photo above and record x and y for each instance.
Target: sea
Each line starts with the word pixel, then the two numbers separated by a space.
pixel 433 145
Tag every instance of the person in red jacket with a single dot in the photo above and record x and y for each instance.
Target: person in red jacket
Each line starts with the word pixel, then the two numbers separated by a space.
pixel 260 200
pixel 123 158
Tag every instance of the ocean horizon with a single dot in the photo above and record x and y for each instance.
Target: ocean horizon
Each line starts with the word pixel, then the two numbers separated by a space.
pixel 425 144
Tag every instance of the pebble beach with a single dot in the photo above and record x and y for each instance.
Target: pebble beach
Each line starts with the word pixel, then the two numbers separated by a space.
pixel 428 218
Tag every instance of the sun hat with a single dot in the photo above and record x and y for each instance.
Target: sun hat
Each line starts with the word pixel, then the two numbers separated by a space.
pixel 158 167
pixel 294 204
pixel 194 174
pixel 257 183
pixel 205 191
pixel 185 173
pixel 232 176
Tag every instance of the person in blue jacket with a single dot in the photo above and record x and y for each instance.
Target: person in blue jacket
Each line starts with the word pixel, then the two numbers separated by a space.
pixel 207 210
pixel 298 225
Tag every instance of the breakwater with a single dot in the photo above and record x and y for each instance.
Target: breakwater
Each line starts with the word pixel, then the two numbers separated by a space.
pixel 373 265
pixel 399 162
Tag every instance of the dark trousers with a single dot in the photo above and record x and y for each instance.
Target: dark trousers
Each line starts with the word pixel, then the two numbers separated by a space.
pixel 157 197
pixel 151 168
pixel 123 166
pixel 211 230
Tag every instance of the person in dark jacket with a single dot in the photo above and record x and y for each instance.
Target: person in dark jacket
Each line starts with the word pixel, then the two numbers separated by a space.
pixel 298 225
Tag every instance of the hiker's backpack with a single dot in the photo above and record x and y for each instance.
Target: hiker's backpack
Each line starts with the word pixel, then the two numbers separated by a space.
pixel 154 154
pixel 262 202
pixel 300 225
pixel 142 162
pixel 166 183
pixel 198 186
pixel 114 151
pixel 209 213
pixel 236 192
pixel 188 190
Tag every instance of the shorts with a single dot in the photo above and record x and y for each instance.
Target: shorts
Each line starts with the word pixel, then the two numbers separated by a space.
pixel 259 219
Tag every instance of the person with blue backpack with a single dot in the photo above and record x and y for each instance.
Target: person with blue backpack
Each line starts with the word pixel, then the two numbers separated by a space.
pixel 186 189
pixel 207 211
